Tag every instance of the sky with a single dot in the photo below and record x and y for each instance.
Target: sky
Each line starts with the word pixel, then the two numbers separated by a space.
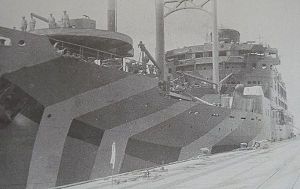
pixel 274 22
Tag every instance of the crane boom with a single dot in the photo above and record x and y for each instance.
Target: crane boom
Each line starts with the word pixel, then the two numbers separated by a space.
pixel 40 17
pixel 143 49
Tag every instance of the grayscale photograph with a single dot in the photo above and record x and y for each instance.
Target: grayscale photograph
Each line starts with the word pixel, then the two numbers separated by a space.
pixel 149 94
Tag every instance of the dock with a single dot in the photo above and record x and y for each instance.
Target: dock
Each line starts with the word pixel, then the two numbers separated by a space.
pixel 264 168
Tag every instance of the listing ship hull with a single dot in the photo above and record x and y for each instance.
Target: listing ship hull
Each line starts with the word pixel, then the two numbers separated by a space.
pixel 60 116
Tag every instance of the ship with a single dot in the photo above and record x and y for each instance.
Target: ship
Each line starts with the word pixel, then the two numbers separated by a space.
pixel 66 96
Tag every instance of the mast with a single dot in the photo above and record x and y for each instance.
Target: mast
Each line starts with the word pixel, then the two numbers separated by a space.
pixel 111 15
pixel 215 46
pixel 160 39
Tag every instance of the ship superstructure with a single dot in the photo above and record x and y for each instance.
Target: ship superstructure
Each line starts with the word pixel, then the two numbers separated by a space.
pixel 246 67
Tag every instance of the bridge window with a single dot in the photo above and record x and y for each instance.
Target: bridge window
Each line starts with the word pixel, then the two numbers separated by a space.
pixel 244 52
pixel 222 53
pixel 199 55
pixel 208 54
pixel 188 56
pixel 181 57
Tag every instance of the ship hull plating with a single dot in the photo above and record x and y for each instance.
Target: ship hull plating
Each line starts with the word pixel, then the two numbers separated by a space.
pixel 58 121
pixel 59 118
pixel 65 134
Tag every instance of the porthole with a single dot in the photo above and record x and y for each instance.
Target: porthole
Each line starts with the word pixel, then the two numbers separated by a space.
pixel 21 43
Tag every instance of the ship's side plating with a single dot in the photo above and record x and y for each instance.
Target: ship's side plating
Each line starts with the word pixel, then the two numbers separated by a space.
pixel 62 115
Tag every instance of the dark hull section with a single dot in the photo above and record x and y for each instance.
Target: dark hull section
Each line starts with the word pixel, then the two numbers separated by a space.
pixel 20 115
pixel 15 153
pixel 224 148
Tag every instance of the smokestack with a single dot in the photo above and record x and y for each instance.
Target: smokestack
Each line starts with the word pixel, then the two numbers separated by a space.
pixel 111 15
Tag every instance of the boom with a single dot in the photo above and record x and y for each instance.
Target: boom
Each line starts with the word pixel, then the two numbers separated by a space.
pixel 40 17
pixel 143 49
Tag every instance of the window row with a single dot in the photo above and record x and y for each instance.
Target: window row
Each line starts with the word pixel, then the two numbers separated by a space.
pixel 255 82
pixel 221 53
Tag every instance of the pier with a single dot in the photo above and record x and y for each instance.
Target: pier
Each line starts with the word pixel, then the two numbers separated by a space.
pixel 275 166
